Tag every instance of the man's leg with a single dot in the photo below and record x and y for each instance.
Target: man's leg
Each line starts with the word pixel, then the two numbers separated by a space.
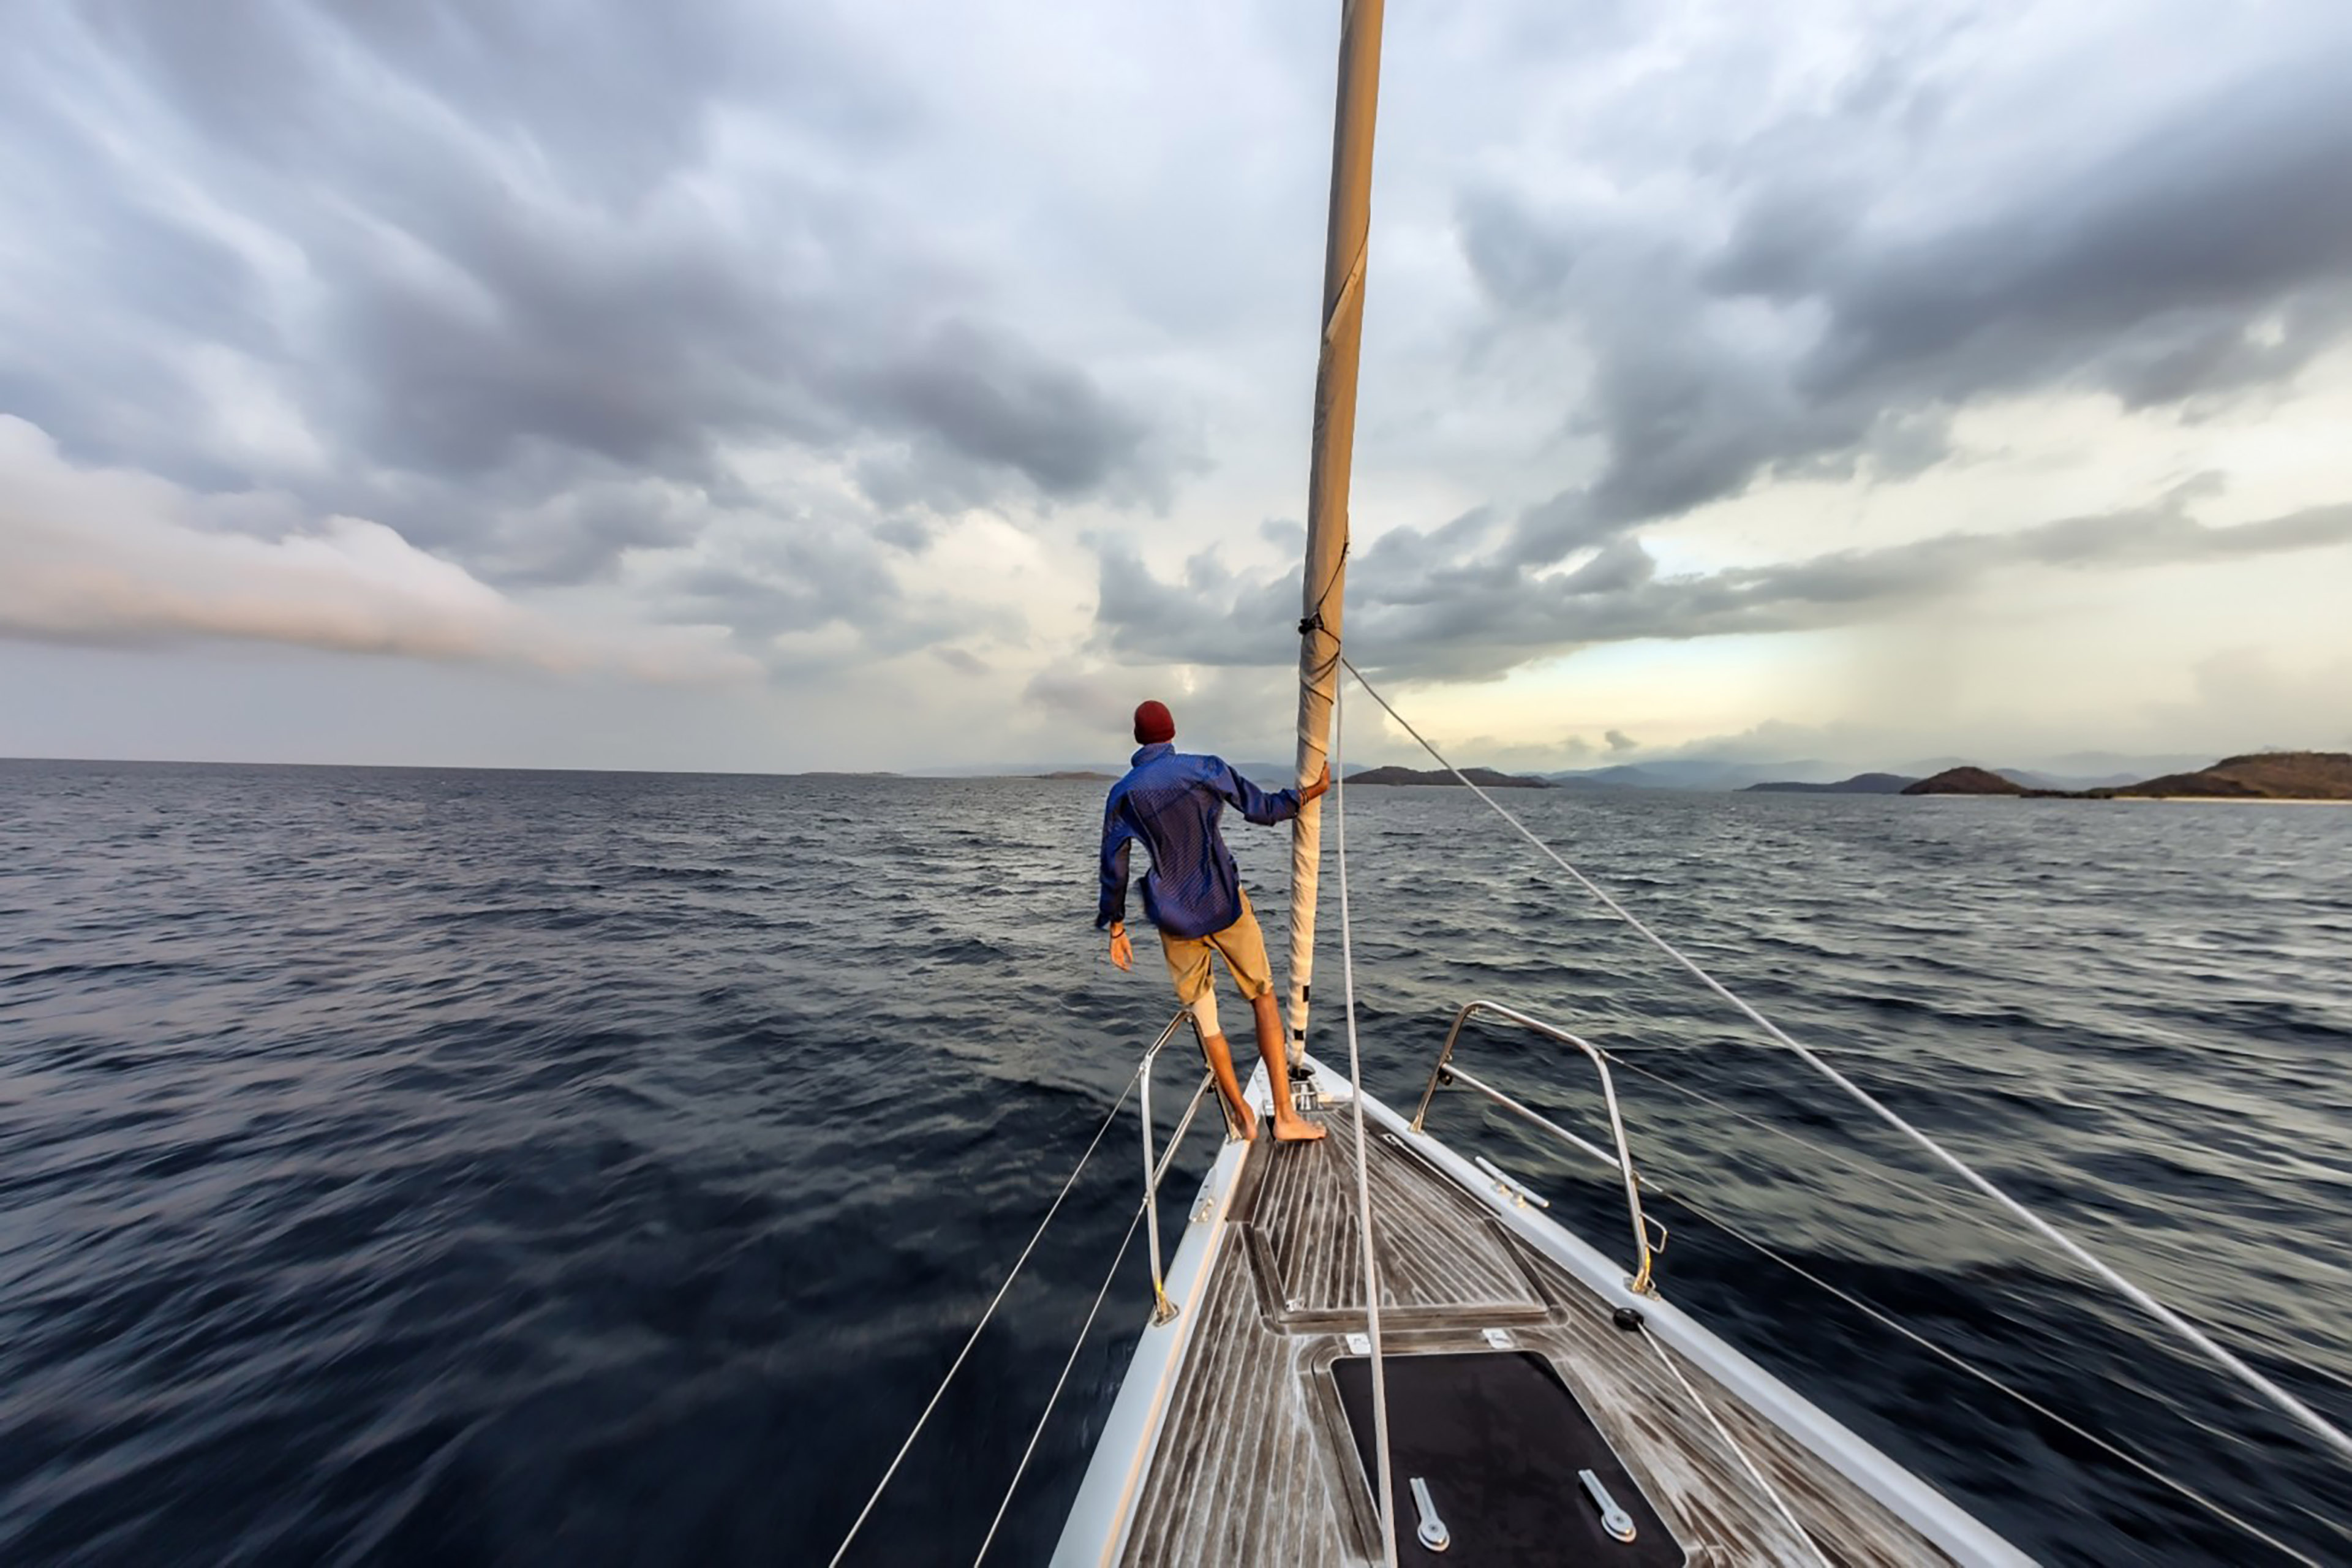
pixel 1220 1052
pixel 1242 945
pixel 1188 967
pixel 1289 1127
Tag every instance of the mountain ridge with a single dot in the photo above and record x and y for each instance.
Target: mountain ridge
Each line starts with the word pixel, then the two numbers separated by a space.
pixel 1485 778
pixel 2255 775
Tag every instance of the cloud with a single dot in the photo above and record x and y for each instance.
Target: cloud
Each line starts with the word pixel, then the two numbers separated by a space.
pixel 1093 701
pixel 854 343
pixel 101 556
pixel 1620 741
pixel 1245 715
pixel 357 256
pixel 1870 273
pixel 1414 611
pixel 2236 700
pixel 2249 701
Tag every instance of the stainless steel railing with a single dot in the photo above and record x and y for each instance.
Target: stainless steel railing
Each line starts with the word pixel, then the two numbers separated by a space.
pixel 1623 1160
pixel 1156 1162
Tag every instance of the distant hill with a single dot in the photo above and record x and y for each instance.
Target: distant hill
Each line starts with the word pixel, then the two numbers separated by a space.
pixel 1964 780
pixel 1861 784
pixel 2063 783
pixel 2070 771
pixel 1485 778
pixel 1696 773
pixel 2265 775
pixel 1080 774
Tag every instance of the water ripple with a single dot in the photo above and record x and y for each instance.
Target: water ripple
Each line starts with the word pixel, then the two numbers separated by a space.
pixel 472 1167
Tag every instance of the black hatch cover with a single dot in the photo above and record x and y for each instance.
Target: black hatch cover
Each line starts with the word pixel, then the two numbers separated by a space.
pixel 1498 1440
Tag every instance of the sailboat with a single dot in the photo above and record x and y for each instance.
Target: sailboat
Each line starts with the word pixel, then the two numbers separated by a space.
pixel 1478 1384
pixel 1528 1398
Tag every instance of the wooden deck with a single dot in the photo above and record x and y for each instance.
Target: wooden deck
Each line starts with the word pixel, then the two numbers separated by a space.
pixel 1254 1464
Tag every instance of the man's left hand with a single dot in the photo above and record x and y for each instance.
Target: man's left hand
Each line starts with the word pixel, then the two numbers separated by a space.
pixel 1122 951
pixel 1315 790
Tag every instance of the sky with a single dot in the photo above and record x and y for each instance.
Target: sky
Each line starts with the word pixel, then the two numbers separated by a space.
pixel 774 386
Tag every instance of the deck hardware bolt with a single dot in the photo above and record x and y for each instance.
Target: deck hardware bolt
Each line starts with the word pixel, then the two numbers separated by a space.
pixel 1432 1533
pixel 1614 1520
pixel 1626 1318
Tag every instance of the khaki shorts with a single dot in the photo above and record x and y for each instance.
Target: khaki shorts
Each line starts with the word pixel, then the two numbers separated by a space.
pixel 1242 947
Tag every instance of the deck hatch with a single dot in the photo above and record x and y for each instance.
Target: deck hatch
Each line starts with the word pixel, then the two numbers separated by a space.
pixel 1499 1441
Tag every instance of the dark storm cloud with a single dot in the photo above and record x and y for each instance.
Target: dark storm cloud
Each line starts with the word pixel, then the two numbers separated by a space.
pixel 1472 622
pixel 2208 254
pixel 455 239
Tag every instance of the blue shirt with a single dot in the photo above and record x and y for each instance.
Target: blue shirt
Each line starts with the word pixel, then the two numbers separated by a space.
pixel 1171 801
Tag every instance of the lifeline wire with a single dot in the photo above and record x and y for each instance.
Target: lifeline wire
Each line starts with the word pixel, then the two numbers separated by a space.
pixel 1943 1197
pixel 2278 1396
pixel 1052 1399
pixel 1749 1465
pixel 1886 1320
pixel 1923 1342
pixel 1363 1169
pixel 900 1458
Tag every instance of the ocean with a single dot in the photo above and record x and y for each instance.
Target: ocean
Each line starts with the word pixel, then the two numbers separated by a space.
pixel 499 1167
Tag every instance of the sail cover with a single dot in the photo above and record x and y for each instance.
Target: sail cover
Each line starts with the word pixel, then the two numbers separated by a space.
pixel 1328 470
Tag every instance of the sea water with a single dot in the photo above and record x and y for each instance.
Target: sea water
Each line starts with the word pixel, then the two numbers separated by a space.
pixel 556 1168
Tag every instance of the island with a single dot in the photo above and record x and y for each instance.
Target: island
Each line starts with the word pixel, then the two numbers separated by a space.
pixel 1966 780
pixel 1861 784
pixel 1485 778
pixel 1079 775
pixel 2262 775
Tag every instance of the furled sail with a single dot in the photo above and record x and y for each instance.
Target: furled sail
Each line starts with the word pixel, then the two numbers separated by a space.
pixel 1328 473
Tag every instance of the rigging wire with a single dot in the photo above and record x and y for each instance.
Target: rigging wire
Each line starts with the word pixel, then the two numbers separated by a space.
pixel 1941 1197
pixel 1052 1399
pixel 1747 1464
pixel 900 1458
pixel 1363 1148
pixel 2317 1424
pixel 1681 1194
pixel 2217 1509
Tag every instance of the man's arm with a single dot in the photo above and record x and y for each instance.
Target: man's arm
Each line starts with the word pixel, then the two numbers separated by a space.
pixel 1256 804
pixel 1117 840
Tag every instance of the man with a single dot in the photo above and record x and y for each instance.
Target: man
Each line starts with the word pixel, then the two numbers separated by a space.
pixel 1194 894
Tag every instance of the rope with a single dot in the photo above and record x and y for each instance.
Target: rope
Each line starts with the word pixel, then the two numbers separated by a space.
pixel 900 1458
pixel 1363 1151
pixel 2319 1424
pixel 1052 1399
pixel 1749 1465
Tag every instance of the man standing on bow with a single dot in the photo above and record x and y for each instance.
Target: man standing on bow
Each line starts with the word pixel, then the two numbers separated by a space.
pixel 1193 894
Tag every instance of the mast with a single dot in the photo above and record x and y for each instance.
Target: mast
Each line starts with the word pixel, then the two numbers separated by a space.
pixel 1327 472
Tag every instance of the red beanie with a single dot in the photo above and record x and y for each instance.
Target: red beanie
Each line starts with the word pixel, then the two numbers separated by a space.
pixel 1154 723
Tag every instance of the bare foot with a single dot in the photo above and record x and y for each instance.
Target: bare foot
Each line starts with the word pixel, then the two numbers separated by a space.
pixel 1248 1123
pixel 1296 1130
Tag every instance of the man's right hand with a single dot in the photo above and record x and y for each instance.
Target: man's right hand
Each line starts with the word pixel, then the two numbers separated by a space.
pixel 1122 951
pixel 1316 790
